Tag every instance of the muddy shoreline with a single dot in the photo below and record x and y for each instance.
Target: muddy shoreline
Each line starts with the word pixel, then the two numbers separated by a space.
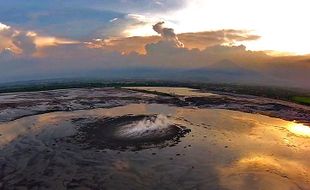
pixel 19 105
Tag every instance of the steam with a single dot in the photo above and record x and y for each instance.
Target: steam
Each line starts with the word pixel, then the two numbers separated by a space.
pixel 158 122
pixel 167 34
pixel 145 127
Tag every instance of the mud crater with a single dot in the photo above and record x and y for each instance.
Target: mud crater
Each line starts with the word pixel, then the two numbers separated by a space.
pixel 133 132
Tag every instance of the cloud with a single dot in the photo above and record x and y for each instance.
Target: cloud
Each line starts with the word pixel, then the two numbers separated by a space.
pixel 3 27
pixel 162 59
pixel 50 19
pixel 126 25
pixel 138 6
pixel 123 45
pixel 200 40
pixel 163 48
pixel 25 42
pixel 5 34
pixel 167 34
pixel 6 54
pixel 20 42
pixel 166 54
pixel 80 20
pixel 113 20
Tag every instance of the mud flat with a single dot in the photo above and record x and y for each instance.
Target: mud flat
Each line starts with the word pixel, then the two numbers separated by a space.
pixel 178 91
pixel 149 141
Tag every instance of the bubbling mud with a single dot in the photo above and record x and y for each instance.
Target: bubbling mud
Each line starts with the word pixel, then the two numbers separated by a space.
pixel 129 132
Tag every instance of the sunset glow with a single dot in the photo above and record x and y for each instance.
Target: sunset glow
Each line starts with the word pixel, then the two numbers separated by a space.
pixel 155 94
pixel 275 21
pixel 299 129
pixel 259 41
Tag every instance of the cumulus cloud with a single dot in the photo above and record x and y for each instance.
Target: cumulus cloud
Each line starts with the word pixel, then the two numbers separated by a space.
pixel 162 59
pixel 17 41
pixel 6 54
pixel 200 40
pixel 5 34
pixel 123 45
pixel 3 27
pixel 122 26
pixel 25 42
pixel 167 34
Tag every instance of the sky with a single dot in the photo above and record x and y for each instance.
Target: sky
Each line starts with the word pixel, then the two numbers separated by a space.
pixel 259 41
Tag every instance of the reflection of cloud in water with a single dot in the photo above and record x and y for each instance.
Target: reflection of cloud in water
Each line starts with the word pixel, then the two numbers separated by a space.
pixel 274 131
pixel 45 124
pixel 225 149
pixel 265 172
pixel 299 129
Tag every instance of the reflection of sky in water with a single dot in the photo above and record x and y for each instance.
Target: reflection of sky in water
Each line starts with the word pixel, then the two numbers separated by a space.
pixel 225 149
pixel 47 125
pixel 299 129
pixel 264 172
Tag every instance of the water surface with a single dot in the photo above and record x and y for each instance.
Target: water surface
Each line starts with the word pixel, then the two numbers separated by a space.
pixel 224 150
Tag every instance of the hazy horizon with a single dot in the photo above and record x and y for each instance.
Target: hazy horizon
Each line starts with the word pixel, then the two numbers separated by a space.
pixel 199 40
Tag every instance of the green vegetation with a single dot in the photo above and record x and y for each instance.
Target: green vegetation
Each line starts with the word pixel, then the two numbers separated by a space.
pixel 302 99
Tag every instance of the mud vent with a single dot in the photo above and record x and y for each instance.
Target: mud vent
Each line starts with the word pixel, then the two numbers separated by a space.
pixel 133 132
